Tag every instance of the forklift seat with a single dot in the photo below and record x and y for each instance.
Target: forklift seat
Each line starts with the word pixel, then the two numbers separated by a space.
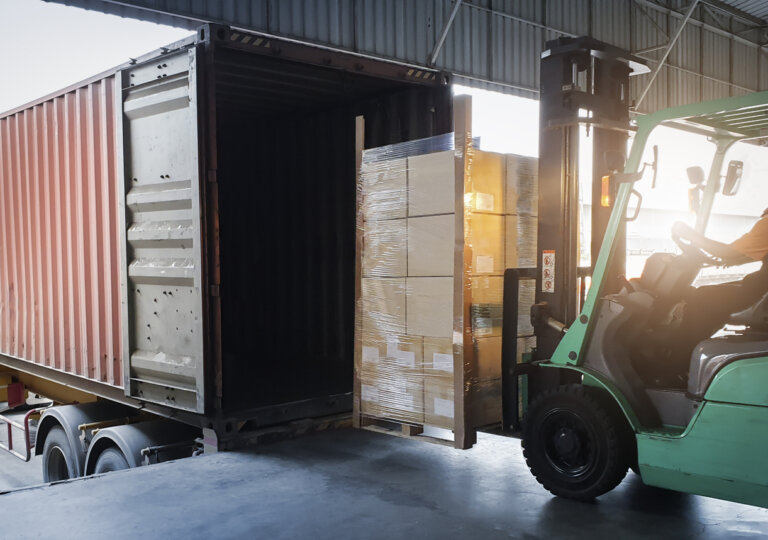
pixel 754 317
pixel 713 354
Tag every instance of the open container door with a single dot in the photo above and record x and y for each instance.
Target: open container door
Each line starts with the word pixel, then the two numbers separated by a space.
pixel 161 242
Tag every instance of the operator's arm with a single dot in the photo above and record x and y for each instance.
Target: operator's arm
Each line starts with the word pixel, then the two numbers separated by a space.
pixel 730 255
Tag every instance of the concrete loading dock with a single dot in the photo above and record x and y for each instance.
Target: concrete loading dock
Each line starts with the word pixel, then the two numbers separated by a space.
pixel 358 484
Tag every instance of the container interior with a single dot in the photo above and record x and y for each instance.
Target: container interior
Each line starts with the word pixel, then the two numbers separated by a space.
pixel 286 173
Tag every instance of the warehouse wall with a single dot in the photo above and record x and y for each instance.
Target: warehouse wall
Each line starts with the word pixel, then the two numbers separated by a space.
pixel 497 43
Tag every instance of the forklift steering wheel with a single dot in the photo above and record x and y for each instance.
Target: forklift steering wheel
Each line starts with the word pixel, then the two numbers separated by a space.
pixel 695 252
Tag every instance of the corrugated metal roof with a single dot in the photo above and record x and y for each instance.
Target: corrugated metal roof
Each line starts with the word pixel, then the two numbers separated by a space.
pixel 756 8
pixel 497 43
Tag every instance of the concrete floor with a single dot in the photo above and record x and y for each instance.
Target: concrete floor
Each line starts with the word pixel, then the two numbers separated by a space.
pixel 15 473
pixel 358 484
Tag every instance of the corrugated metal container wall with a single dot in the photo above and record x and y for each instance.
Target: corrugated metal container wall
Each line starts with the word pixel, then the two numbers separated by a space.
pixel 59 268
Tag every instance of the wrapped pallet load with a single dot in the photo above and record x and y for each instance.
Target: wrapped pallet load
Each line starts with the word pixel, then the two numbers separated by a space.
pixel 438 223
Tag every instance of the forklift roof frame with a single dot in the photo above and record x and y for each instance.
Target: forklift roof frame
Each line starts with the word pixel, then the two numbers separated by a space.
pixel 727 121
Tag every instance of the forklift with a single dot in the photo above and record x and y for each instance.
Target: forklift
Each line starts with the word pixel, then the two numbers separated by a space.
pixel 589 400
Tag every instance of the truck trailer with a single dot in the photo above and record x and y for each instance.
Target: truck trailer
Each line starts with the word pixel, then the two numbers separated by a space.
pixel 177 243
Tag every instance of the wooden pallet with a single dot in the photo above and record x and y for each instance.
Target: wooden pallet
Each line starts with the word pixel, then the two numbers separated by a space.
pixel 401 429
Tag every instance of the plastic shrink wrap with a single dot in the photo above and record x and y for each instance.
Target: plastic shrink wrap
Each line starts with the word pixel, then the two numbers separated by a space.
pixel 437 233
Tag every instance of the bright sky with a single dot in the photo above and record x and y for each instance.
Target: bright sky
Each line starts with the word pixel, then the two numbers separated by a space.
pixel 507 124
pixel 46 47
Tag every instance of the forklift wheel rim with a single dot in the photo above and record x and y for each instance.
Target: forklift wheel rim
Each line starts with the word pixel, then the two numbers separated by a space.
pixel 570 443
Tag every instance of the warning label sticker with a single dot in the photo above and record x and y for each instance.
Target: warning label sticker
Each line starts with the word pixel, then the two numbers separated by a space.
pixel 548 270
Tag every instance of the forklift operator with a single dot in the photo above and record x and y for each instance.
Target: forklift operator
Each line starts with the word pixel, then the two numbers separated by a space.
pixel 707 308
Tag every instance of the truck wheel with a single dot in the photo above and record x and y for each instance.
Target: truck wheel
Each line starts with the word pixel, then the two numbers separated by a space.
pixel 111 459
pixel 58 457
pixel 573 443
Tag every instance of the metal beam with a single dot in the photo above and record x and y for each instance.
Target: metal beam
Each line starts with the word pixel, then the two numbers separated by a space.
pixel 444 33
pixel 695 22
pixel 734 12
pixel 666 52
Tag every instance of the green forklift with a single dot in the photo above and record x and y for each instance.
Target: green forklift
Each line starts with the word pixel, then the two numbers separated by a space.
pixel 600 394
pixel 704 431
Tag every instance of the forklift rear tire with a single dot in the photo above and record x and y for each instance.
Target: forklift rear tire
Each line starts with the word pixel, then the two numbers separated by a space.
pixel 574 444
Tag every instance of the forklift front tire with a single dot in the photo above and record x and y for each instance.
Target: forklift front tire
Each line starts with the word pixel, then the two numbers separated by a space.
pixel 573 443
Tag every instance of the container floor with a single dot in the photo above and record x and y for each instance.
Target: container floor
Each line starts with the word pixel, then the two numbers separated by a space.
pixel 358 484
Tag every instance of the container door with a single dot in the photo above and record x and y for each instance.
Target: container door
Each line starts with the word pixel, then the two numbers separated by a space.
pixel 162 257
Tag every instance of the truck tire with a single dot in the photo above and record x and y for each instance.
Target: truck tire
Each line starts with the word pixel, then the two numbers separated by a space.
pixel 573 444
pixel 111 459
pixel 58 457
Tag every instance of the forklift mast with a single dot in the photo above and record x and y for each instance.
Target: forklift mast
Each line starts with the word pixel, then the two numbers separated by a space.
pixel 584 82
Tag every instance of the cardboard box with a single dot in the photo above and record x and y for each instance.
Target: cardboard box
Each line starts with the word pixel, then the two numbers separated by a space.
pixel 385 248
pixel 522 185
pixel 488 357
pixel 390 387
pixel 486 319
pixel 438 402
pixel 383 305
pixel 387 351
pixel 370 403
pixel 487 174
pixel 384 185
pixel 438 358
pixel 429 306
pixel 485 397
pixel 486 239
pixel 431 245
pixel 520 239
pixel 402 400
pixel 487 289
pixel 432 184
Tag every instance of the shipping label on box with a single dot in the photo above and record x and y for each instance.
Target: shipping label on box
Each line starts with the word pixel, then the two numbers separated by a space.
pixel 384 187
pixel 431 245
pixel 383 305
pixel 443 407
pixel 429 306
pixel 487 181
pixel 432 184
pixel 387 350
pixel 485 236
pixel 438 402
pixel 406 351
pixel 385 248
pixel 438 357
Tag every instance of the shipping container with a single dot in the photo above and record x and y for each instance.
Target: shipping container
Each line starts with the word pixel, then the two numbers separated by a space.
pixel 178 234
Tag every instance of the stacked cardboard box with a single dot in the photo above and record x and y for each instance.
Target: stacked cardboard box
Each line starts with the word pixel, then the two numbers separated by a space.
pixel 409 264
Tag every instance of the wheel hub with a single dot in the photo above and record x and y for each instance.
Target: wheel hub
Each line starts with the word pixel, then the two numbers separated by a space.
pixel 567 443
